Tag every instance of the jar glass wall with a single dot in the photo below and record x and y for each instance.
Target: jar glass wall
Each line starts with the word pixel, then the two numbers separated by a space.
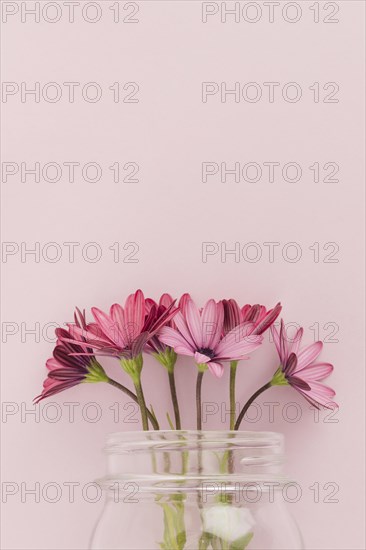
pixel 189 490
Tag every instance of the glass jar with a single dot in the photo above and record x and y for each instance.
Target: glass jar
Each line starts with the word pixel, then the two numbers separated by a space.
pixel 195 490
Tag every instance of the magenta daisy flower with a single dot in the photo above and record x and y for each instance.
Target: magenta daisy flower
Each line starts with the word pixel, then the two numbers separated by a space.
pixel 199 333
pixel 256 314
pixel 154 311
pixel 300 369
pixel 71 364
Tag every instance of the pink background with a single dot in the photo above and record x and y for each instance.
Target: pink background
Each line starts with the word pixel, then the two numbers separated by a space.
pixel 169 213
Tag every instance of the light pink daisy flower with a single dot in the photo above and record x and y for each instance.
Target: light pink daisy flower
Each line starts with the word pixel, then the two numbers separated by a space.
pixel 300 370
pixel 199 333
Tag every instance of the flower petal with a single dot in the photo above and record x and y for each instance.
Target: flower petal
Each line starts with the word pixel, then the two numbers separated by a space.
pixel 134 314
pixel 184 350
pixel 232 315
pixel 216 336
pixel 149 304
pixel 139 343
pixel 315 371
pixel 118 316
pixel 291 365
pixel 245 312
pixel 276 339
pixel 201 358
pixel 174 339
pixel 253 315
pixel 216 369
pixel 165 300
pixel 77 335
pixel 107 325
pixel 184 299
pixel 193 319
pixel 298 383
pixel 308 355
pixel 239 342
pixel 52 364
pixel 268 319
pixel 283 343
pixel 209 323
pixel 320 394
pixel 55 387
pixel 182 327
pixel 295 341
pixel 163 317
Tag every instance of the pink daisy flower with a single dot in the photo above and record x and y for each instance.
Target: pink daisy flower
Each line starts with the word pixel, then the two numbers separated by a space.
pixel 300 370
pixel 124 332
pixel 199 333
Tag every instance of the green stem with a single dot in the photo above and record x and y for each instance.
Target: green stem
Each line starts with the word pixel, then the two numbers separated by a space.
pixel 142 403
pixel 122 388
pixel 173 391
pixel 199 399
pixel 128 392
pixel 233 365
pixel 249 402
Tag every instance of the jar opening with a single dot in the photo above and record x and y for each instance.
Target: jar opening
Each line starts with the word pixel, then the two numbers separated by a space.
pixel 168 440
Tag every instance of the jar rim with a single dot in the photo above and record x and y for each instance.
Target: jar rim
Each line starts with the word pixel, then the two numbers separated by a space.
pixel 156 458
pixel 135 440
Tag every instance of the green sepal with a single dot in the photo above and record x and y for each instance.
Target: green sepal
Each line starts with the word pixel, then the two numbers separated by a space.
pixel 279 378
pixel 202 367
pixel 167 358
pixel 133 367
pixel 96 373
